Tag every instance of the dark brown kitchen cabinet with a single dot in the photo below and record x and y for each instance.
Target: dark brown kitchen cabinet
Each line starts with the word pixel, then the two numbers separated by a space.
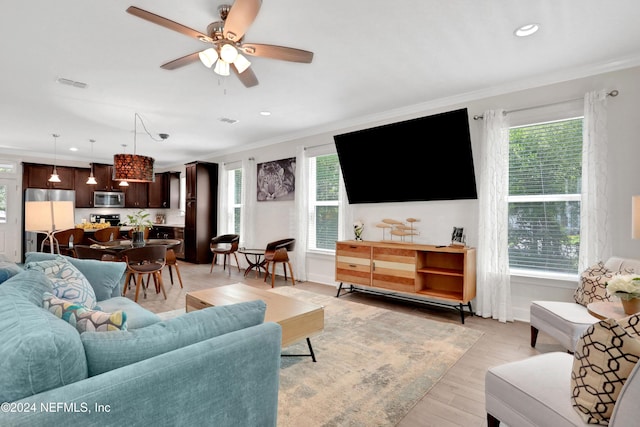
pixel 103 174
pixel 165 191
pixel 84 191
pixel 136 195
pixel 35 175
pixel 201 209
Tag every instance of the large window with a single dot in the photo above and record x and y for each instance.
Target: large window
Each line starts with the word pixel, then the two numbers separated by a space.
pixel 324 190
pixel 545 175
pixel 234 190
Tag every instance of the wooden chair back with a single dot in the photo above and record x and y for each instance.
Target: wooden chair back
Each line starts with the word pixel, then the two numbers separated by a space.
pixel 107 234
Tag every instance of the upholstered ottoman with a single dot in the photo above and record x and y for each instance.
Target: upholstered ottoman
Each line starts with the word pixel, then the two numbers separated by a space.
pixel 564 321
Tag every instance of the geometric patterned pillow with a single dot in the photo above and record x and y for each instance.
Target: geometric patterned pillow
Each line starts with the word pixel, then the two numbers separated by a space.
pixel 631 324
pixel 82 318
pixel 604 357
pixel 68 282
pixel 592 285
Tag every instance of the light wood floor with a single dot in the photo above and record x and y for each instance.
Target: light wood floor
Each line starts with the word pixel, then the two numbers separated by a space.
pixel 456 400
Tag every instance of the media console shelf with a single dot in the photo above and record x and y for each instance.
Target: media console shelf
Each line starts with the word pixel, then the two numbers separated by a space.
pixel 444 276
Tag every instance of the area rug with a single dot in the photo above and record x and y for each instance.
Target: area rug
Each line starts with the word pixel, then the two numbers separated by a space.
pixel 373 364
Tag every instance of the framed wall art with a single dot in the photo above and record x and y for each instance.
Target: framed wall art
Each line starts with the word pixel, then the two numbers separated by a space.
pixel 276 180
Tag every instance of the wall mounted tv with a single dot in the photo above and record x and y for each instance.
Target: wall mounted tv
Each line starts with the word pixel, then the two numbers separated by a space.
pixel 427 158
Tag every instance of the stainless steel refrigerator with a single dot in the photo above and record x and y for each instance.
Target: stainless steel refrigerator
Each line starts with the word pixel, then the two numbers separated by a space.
pixel 30 241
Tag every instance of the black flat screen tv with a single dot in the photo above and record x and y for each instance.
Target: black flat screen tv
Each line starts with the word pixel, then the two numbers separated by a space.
pixel 427 158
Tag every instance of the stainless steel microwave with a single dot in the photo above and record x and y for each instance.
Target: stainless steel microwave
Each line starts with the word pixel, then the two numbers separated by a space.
pixel 108 199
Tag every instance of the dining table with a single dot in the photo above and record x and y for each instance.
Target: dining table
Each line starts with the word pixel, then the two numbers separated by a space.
pixel 117 246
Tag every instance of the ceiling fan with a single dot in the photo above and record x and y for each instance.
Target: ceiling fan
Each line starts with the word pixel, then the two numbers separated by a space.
pixel 226 37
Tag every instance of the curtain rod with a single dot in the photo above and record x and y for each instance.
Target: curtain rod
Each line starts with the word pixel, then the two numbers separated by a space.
pixel 613 93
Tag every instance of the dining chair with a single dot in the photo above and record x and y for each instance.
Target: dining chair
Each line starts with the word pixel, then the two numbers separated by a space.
pixel 278 252
pixel 143 261
pixel 64 240
pixel 106 235
pixel 227 245
pixel 172 261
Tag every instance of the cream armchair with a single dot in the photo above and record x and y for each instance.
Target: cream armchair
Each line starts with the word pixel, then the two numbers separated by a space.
pixel 566 321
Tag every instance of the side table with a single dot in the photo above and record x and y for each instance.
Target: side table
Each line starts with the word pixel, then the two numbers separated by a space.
pixel 255 259
pixel 606 310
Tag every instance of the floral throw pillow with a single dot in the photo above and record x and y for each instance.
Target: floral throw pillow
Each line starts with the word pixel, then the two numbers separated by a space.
pixel 593 284
pixel 82 318
pixel 68 282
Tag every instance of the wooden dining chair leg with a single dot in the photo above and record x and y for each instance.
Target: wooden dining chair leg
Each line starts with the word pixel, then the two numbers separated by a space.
pixel 213 262
pixel 139 284
pixel 158 275
pixel 237 263
pixel 273 274
pixel 293 281
pixel 177 273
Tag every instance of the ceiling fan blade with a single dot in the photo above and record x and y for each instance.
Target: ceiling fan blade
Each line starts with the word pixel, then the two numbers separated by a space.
pixel 241 16
pixel 277 52
pixel 181 62
pixel 167 23
pixel 247 77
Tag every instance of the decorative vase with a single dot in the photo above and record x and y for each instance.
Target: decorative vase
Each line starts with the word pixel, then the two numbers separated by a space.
pixel 631 306
pixel 137 239
pixel 357 230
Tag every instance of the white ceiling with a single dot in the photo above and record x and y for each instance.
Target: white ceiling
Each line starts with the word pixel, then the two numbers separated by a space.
pixel 370 57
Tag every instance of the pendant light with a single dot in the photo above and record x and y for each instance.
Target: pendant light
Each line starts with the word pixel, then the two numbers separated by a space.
pixel 133 167
pixel 54 176
pixel 92 179
pixel 123 183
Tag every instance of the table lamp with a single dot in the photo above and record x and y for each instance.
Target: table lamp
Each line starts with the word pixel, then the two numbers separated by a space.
pixel 48 217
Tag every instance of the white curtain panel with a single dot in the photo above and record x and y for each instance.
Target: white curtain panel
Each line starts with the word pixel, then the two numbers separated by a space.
pixel 248 220
pixel 595 233
pixel 302 213
pixel 493 280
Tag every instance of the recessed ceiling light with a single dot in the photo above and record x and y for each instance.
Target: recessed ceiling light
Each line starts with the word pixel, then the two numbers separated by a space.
pixel 265 113
pixel 73 149
pixel 526 30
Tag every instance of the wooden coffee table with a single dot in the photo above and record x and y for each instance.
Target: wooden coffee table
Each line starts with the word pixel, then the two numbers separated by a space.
pixel 298 319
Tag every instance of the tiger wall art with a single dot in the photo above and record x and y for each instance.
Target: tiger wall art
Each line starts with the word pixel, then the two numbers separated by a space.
pixel 276 180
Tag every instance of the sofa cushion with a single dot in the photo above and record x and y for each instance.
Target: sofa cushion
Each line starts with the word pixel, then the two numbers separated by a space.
pixel 8 269
pixel 105 277
pixel 112 350
pixel 604 357
pixel 68 282
pixel 137 316
pixel 39 352
pixel 593 284
pixel 83 318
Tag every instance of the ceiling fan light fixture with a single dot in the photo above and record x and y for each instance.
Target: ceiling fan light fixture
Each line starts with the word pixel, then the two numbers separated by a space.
pixel 228 53
pixel 222 68
pixel 241 63
pixel 208 57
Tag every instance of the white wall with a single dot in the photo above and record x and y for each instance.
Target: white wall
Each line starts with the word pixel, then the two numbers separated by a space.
pixel 276 219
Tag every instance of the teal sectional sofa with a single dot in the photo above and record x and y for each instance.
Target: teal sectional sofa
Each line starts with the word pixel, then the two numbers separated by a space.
pixel 217 366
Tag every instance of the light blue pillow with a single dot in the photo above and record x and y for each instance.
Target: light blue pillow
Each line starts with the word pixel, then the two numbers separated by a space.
pixel 111 350
pixel 39 352
pixel 105 277
pixel 8 269
pixel 68 282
